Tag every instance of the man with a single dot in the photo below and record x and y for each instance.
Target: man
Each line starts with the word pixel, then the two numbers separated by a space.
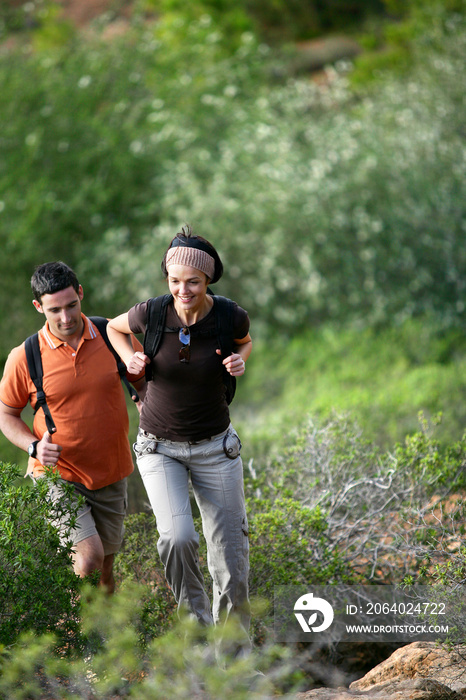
pixel 83 390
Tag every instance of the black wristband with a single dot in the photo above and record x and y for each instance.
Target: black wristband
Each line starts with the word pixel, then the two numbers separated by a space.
pixel 32 449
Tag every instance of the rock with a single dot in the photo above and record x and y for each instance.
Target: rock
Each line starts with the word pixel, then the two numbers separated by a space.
pixel 318 53
pixel 337 665
pixel 420 660
pixel 81 12
pixel 415 689
pixel 418 671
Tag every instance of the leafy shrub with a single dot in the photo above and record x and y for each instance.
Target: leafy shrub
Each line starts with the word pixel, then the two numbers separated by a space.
pixel 289 546
pixel 377 507
pixel 182 663
pixel 391 45
pixel 332 508
pixel 38 588
pixel 39 22
pixel 423 459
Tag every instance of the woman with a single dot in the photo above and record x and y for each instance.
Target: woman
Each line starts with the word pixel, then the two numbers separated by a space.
pixel 185 431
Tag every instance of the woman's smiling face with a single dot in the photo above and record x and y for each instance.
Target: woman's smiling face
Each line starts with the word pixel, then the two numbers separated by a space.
pixel 188 287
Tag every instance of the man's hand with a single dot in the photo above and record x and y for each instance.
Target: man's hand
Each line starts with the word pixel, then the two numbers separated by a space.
pixel 47 452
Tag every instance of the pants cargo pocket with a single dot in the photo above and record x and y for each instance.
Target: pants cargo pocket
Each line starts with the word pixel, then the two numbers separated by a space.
pixel 232 444
pixel 144 446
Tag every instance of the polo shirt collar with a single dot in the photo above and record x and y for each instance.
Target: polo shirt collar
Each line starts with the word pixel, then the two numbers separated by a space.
pixel 53 342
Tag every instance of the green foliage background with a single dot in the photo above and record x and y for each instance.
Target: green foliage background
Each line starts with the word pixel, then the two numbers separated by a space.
pixel 338 207
pixel 326 204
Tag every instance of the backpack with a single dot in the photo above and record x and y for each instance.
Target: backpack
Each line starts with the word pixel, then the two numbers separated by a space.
pixel 224 319
pixel 34 361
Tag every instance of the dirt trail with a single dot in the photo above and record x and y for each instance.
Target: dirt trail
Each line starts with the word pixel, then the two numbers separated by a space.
pixel 81 12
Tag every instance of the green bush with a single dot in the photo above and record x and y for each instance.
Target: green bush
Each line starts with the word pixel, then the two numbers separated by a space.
pixel 185 662
pixel 373 509
pixel 18 16
pixel 425 460
pixel 376 233
pixel 289 546
pixel 281 530
pixel 38 588
pixel 332 508
pixel 37 23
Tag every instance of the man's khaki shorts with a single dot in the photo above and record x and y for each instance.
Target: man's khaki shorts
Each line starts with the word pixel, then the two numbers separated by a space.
pixel 102 514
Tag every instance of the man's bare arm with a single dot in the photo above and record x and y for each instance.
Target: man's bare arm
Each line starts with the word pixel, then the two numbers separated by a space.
pixel 19 433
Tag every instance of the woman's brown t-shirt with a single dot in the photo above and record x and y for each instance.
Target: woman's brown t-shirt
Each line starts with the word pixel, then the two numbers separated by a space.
pixel 186 401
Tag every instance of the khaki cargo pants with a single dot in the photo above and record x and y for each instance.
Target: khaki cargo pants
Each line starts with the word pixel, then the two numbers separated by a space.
pixel 216 471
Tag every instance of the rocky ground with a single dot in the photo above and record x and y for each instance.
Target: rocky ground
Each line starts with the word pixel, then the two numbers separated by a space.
pixel 81 12
pixel 418 671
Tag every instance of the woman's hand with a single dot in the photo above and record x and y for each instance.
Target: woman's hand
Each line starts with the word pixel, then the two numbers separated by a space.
pixel 137 363
pixel 141 393
pixel 234 364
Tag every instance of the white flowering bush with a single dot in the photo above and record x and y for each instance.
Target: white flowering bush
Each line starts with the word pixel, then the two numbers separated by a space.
pixel 325 203
pixel 323 206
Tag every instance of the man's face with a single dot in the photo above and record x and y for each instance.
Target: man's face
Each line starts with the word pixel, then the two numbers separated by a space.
pixel 63 312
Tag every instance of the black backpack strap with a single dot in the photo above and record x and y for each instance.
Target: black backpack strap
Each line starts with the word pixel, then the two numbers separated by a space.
pixel 101 324
pixel 155 324
pixel 224 319
pixel 34 361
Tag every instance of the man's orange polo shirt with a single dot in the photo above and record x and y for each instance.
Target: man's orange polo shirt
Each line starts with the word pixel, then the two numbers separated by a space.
pixel 87 403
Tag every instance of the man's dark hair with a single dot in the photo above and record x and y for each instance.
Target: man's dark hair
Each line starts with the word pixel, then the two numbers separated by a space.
pixel 52 277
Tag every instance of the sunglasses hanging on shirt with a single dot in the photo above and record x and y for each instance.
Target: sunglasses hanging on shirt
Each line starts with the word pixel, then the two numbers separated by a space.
pixel 185 340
